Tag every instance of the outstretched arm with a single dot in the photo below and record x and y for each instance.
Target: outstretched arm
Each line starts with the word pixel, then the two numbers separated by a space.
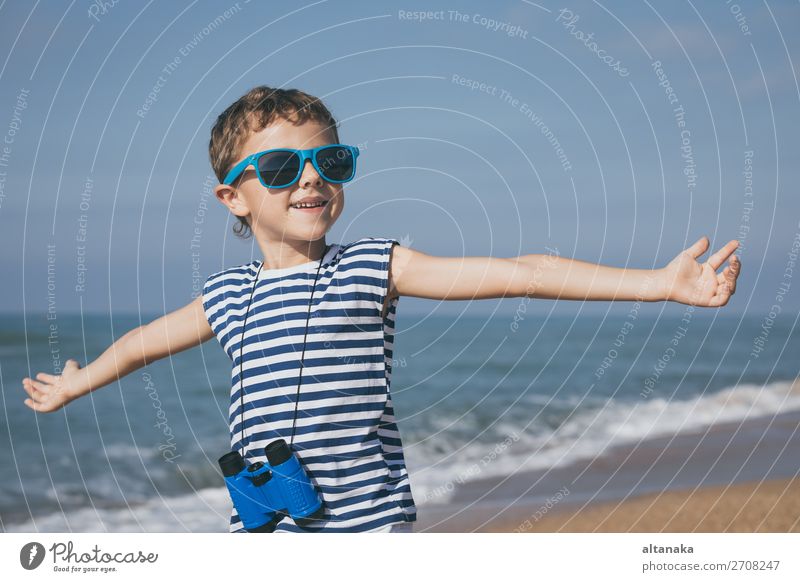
pixel 170 334
pixel 683 280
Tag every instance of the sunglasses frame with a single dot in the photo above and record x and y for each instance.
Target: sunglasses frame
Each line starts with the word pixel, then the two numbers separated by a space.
pixel 309 154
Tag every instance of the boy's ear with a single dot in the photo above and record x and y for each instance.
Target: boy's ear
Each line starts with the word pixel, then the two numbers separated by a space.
pixel 230 197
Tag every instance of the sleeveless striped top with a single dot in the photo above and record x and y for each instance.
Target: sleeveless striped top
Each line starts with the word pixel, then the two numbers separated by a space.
pixel 345 436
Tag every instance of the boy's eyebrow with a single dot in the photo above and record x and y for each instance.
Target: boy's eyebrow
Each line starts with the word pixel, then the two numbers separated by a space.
pixel 283 147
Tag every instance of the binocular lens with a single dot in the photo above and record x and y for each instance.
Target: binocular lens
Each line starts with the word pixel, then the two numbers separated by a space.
pixel 231 464
pixel 278 452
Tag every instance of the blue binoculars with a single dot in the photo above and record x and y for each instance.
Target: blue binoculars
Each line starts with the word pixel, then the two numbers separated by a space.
pixel 265 493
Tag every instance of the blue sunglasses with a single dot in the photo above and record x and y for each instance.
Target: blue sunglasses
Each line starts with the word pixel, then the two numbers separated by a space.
pixel 282 167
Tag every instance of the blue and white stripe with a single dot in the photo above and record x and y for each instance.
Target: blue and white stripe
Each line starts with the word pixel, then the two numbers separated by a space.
pixel 346 436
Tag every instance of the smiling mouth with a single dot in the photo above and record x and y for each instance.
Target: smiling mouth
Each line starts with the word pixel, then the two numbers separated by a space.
pixel 309 205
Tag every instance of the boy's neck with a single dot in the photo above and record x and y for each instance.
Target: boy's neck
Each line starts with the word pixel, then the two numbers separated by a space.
pixel 284 254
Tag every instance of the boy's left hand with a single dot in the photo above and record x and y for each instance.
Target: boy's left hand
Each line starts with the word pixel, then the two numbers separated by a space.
pixel 686 281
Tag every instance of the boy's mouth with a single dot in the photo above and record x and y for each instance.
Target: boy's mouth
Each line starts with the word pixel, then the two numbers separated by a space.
pixel 310 205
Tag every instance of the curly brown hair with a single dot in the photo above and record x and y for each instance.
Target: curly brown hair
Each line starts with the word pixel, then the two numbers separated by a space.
pixel 251 113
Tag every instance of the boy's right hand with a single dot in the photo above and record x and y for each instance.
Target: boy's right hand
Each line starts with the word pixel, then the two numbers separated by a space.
pixel 48 393
pixel 179 330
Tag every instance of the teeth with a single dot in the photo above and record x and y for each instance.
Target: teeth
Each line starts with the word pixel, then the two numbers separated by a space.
pixel 308 205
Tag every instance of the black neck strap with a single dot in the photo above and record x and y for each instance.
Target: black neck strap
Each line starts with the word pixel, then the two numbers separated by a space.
pixel 302 356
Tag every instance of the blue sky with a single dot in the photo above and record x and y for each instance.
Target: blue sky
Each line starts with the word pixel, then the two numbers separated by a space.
pixel 487 128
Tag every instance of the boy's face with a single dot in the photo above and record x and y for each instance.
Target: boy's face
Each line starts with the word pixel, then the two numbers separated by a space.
pixel 269 210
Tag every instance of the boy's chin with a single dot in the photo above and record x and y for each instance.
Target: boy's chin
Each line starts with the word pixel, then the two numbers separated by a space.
pixel 311 231
pixel 321 217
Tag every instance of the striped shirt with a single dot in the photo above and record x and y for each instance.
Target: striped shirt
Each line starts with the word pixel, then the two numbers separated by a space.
pixel 345 436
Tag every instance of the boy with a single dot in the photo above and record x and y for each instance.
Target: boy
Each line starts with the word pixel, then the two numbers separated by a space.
pixel 339 418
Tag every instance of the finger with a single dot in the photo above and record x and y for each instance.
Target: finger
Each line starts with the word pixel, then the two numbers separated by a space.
pixel 736 264
pixel 699 247
pixel 72 363
pixel 35 395
pixel 722 254
pixel 733 270
pixel 722 296
pixel 48 378
pixel 40 386
pixel 730 274
pixel 723 278
pixel 29 389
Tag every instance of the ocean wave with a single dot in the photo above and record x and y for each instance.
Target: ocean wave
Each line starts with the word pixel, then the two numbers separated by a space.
pixel 206 510
pixel 584 433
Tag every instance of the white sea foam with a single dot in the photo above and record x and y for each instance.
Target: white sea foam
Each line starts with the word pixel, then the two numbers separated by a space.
pixel 587 434
pixel 207 510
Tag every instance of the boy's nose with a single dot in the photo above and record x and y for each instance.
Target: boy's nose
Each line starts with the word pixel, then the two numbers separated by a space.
pixel 310 176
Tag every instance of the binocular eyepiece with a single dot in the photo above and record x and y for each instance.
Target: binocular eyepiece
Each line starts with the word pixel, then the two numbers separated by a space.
pixel 264 493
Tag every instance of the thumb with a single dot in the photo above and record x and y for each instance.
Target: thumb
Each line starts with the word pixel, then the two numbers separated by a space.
pixel 699 247
pixel 72 364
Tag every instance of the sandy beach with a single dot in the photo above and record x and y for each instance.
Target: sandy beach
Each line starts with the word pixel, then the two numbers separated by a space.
pixel 731 477
pixel 768 506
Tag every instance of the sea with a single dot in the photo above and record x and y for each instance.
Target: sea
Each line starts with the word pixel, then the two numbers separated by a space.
pixel 476 397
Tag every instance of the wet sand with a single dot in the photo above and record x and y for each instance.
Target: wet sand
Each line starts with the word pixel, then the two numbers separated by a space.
pixel 768 506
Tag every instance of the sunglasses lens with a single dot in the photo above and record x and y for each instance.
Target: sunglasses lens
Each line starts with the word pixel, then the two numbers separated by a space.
pixel 336 163
pixel 279 168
